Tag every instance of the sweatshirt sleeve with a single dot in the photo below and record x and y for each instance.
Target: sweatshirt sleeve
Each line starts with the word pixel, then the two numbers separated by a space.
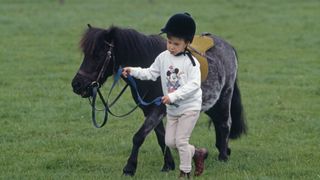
pixel 151 73
pixel 193 84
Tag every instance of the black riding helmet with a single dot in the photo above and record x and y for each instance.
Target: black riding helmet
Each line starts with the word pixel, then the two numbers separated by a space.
pixel 180 25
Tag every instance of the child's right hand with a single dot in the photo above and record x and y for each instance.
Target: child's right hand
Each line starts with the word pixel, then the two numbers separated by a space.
pixel 126 71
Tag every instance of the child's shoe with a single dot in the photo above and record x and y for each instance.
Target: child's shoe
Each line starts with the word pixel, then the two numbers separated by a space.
pixel 184 175
pixel 200 155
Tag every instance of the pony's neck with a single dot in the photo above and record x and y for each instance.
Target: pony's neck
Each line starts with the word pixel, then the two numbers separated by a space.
pixel 136 49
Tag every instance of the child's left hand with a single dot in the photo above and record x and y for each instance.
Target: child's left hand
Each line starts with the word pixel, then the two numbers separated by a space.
pixel 126 71
pixel 165 100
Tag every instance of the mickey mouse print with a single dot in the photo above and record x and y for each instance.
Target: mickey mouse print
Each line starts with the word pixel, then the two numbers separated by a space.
pixel 173 79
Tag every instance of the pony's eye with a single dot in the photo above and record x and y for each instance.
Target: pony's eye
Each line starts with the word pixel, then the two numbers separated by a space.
pixel 99 56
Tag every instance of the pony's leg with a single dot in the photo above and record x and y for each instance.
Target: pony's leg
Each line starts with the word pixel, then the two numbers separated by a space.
pixel 151 121
pixel 220 115
pixel 168 159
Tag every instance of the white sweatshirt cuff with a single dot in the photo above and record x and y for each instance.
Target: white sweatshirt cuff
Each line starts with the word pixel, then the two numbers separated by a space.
pixel 172 97
pixel 134 71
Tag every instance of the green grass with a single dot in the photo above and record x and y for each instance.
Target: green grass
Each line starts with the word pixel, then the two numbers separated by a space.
pixel 46 131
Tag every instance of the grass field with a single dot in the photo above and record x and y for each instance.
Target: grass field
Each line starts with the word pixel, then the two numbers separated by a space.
pixel 46 130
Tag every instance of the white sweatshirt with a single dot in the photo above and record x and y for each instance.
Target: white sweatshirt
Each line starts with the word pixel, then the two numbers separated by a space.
pixel 180 80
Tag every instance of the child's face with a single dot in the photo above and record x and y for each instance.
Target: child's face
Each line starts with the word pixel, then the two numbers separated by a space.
pixel 176 45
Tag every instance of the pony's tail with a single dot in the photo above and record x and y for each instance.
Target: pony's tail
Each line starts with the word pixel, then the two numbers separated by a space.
pixel 238 125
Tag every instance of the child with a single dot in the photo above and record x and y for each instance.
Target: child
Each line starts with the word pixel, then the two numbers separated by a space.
pixel 180 79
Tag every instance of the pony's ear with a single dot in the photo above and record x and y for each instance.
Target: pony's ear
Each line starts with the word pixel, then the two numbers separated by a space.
pixel 109 34
pixel 89 26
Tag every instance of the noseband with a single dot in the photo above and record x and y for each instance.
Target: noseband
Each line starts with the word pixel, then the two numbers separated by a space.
pixel 103 69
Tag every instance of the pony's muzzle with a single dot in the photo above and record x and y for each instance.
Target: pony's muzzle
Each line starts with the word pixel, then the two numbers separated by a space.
pixel 81 87
pixel 76 86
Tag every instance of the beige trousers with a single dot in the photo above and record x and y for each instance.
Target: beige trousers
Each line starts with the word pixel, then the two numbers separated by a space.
pixel 178 132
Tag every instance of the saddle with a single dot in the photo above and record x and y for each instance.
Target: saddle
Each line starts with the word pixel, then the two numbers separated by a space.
pixel 198 48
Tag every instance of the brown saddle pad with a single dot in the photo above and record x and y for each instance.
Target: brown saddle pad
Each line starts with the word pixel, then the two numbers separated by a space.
pixel 198 48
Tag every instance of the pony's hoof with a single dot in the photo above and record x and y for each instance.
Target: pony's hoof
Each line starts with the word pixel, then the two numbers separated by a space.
pixel 167 169
pixel 223 158
pixel 229 151
pixel 127 172
pixel 130 174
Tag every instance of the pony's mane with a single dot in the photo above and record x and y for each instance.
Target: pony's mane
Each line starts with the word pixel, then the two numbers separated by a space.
pixel 91 39
pixel 131 47
pixel 137 49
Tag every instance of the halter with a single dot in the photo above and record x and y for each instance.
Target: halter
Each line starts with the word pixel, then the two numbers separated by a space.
pixel 95 86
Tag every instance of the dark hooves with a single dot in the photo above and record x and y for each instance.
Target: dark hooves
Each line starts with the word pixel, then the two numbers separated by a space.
pixel 129 174
pixel 223 158
pixel 167 169
pixel 229 151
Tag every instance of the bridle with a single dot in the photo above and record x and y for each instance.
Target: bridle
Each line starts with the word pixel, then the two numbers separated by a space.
pixel 95 87
pixel 103 68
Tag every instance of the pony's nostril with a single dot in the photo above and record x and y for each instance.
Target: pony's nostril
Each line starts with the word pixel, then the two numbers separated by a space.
pixel 76 85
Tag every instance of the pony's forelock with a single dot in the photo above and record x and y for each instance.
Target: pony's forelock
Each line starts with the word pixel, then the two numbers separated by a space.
pixel 90 39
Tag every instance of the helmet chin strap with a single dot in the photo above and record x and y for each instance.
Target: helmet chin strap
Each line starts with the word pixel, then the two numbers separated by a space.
pixel 181 53
pixel 188 53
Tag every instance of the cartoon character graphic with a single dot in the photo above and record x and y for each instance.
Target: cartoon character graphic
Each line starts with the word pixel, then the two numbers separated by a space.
pixel 173 78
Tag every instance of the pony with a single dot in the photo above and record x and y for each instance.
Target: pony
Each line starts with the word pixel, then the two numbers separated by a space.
pixel 128 47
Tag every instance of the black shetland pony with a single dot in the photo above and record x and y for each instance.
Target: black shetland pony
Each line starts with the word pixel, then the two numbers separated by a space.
pixel 221 95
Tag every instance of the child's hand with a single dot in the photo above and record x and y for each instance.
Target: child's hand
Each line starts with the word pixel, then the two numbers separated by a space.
pixel 165 100
pixel 126 71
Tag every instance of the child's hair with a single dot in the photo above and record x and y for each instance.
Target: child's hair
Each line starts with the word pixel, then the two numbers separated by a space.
pixel 170 35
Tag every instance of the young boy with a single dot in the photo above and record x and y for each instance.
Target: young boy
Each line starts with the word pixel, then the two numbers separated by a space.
pixel 180 79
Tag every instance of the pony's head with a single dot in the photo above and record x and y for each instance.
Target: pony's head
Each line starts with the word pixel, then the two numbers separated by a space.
pixel 98 62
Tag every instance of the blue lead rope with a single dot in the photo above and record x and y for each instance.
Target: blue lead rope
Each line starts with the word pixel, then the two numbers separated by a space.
pixel 132 82
pixel 156 101
pixel 95 91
